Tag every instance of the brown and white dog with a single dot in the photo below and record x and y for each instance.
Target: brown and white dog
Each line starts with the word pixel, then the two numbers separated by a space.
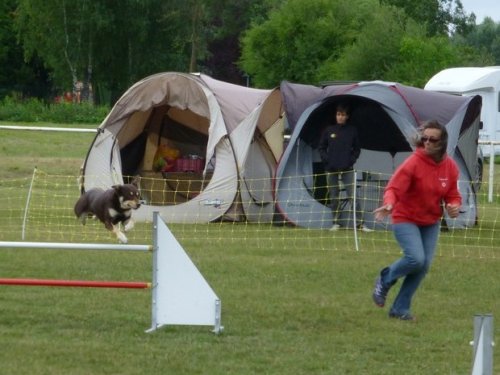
pixel 112 207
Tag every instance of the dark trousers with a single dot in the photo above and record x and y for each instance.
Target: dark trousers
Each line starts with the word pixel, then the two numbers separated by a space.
pixel 335 182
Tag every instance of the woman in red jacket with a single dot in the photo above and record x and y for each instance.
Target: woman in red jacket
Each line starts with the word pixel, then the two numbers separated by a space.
pixel 414 197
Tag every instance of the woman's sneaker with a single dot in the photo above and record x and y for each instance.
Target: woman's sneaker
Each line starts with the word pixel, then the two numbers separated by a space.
pixel 380 292
pixel 364 228
pixel 406 316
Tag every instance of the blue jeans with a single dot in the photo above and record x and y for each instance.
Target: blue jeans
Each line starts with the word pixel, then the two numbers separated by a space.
pixel 418 243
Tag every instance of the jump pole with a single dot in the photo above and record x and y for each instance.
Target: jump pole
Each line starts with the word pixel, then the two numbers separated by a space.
pixel 76 283
pixel 74 246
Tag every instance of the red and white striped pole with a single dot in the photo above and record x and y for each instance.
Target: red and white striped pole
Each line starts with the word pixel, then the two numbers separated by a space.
pixel 76 283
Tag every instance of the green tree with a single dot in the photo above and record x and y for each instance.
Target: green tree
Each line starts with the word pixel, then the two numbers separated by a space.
pixel 393 47
pixel 368 41
pixel 136 39
pixel 227 20
pixel 16 75
pixel 375 48
pixel 299 37
pixel 440 17
pixel 485 37
pixel 57 31
pixel 112 43
pixel 8 48
pixel 420 58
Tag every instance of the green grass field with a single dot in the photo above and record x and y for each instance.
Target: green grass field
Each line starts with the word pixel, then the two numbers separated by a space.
pixel 301 309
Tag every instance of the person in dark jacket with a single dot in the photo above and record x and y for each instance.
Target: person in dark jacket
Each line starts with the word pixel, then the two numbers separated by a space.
pixel 339 149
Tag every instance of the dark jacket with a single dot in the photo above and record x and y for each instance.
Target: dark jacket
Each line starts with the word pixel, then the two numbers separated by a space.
pixel 339 147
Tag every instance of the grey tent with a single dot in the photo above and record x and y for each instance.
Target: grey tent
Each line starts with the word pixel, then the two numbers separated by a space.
pixel 387 116
pixel 225 135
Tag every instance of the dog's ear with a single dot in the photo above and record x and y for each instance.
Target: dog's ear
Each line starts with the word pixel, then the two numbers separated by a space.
pixel 136 181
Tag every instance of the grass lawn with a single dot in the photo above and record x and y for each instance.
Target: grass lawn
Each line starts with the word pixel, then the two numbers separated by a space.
pixel 301 309
pixel 54 152
pixel 293 312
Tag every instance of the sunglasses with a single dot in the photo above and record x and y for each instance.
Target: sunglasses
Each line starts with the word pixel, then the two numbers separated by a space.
pixel 429 139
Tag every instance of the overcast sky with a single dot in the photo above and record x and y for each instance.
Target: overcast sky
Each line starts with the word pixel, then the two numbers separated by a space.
pixel 483 8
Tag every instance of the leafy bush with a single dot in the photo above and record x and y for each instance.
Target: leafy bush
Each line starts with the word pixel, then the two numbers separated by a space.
pixel 12 109
pixel 35 110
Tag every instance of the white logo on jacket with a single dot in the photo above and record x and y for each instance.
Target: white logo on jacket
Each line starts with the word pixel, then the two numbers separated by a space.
pixel 443 181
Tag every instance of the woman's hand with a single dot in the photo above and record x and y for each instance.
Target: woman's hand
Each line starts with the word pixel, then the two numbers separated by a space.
pixel 453 210
pixel 382 212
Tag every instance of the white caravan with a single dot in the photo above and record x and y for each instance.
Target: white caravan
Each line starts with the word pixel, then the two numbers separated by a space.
pixel 470 81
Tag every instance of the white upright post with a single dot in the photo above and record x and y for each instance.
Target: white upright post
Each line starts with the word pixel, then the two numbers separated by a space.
pixel 354 213
pixel 491 172
pixel 180 294
pixel 482 363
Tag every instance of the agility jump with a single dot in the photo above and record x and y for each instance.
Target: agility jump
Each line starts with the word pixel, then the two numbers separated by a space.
pixel 180 294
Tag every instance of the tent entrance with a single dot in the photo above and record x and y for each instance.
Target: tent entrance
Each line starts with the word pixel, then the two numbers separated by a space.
pixel 381 141
pixel 377 130
pixel 379 136
pixel 169 156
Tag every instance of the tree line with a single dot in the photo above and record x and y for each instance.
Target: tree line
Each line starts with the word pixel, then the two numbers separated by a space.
pixel 98 48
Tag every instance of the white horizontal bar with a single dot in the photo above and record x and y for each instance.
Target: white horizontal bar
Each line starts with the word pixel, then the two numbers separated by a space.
pixel 73 246
pixel 489 142
pixel 46 128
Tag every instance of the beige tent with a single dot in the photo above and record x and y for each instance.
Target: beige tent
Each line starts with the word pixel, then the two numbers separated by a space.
pixel 223 134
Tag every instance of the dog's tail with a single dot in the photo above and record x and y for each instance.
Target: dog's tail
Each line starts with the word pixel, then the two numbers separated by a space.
pixel 81 183
pixel 80 207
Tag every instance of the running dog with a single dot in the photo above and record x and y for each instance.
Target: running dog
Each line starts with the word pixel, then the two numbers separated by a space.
pixel 112 207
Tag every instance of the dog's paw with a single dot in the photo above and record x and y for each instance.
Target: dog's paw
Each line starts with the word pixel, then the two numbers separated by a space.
pixel 129 225
pixel 121 237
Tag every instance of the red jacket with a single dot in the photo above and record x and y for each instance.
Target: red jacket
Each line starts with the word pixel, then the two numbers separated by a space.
pixel 419 186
